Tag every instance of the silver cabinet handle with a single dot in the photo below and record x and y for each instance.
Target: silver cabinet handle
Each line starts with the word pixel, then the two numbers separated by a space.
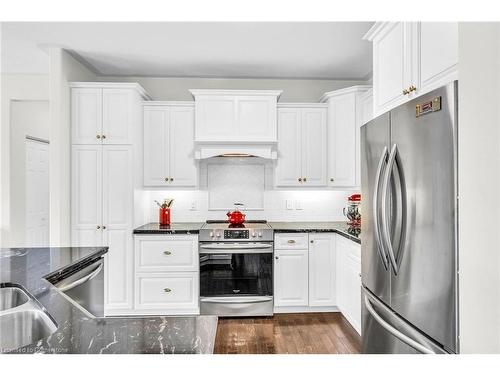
pixel 291 241
pixel 380 248
pixel 167 290
pixel 386 237
pixel 393 331
pixel 167 252
pixel 84 279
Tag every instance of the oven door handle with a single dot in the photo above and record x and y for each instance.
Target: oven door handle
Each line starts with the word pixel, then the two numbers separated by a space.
pixel 235 299
pixel 236 250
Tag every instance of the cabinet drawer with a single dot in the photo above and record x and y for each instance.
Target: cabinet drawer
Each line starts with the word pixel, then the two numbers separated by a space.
pixel 291 241
pixel 166 253
pixel 176 292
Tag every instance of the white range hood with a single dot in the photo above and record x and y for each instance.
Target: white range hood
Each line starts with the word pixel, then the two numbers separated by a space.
pixel 205 151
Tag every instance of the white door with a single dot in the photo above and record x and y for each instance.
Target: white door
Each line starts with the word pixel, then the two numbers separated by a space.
pixel 117 213
pixel 342 141
pixel 86 115
pixel 322 272
pixel 182 165
pixel 156 138
pixel 313 146
pixel 86 195
pixel 291 278
pixel 390 67
pixel 256 118
pixel 289 164
pixel 37 193
pixel 117 116
pixel 438 54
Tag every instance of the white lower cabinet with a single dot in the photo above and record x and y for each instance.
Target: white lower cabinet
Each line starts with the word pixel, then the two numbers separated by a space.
pixel 166 275
pixel 349 280
pixel 322 288
pixel 290 277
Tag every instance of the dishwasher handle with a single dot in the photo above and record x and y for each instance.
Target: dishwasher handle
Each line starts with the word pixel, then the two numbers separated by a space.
pixel 85 278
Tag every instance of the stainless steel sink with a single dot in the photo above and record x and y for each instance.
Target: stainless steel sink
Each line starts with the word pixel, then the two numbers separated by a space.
pixel 23 321
pixel 11 297
pixel 21 328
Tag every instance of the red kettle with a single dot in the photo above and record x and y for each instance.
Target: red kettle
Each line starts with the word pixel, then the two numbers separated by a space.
pixel 236 217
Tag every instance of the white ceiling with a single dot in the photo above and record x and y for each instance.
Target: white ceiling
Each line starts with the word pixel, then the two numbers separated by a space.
pixel 327 50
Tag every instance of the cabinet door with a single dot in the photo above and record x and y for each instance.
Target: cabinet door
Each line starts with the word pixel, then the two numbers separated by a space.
pixel 291 278
pixel 289 164
pixel 390 67
pixel 341 248
pixel 156 139
pixel 342 141
pixel 322 271
pixel 86 195
pixel 117 219
pixel 117 116
pixel 182 170
pixel 314 146
pixel 86 116
pixel 256 118
pixel 438 60
pixel 215 118
pixel 352 279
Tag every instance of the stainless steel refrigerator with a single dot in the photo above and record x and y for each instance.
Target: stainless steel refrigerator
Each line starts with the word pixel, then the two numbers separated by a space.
pixel 409 227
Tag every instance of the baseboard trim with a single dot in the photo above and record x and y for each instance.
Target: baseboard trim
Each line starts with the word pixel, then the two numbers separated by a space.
pixel 304 309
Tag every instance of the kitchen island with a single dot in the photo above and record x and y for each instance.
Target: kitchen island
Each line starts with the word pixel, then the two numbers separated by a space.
pixel 78 332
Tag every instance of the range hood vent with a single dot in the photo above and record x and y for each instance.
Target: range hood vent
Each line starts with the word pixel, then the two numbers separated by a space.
pixel 205 151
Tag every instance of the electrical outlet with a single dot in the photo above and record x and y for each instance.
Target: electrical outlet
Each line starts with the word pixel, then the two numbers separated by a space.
pixel 289 204
pixel 193 206
pixel 298 205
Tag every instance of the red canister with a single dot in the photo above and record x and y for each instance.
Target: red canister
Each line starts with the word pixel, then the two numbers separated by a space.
pixel 165 216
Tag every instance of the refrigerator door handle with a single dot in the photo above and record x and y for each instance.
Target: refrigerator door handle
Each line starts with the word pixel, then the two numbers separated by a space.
pixel 376 195
pixel 386 236
pixel 393 331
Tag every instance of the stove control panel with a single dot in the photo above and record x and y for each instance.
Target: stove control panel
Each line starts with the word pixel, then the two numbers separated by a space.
pixel 236 234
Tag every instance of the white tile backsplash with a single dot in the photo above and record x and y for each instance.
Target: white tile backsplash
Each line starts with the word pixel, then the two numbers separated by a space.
pixel 315 205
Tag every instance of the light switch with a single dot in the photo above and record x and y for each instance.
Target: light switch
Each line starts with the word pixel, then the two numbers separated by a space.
pixel 289 204
pixel 298 205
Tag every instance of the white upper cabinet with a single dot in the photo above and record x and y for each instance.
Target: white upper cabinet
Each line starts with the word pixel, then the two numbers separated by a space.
pixel 301 145
pixel 235 115
pixel 343 132
pixel 105 113
pixel 169 144
pixel 410 59
pixel 438 54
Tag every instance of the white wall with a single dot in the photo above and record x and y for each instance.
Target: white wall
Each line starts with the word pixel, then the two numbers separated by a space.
pixel 294 90
pixel 479 185
pixel 63 69
pixel 22 87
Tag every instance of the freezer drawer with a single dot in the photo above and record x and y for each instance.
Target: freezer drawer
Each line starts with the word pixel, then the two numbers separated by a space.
pixel 384 332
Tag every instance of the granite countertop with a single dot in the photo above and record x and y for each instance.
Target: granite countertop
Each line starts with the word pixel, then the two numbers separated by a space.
pixel 340 227
pixel 79 333
pixel 174 228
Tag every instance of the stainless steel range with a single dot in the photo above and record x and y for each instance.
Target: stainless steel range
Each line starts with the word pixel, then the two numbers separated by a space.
pixel 236 269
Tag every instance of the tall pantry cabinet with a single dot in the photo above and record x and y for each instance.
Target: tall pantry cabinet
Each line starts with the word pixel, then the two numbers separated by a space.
pixel 106 132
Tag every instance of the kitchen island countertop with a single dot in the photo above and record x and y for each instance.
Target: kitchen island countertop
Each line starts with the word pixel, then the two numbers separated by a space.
pixel 79 333
pixel 340 227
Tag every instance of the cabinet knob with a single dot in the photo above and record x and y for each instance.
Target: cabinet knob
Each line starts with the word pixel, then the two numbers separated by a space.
pixel 98 227
pixel 104 227
pixel 276 257
pixel 412 88
pixel 405 92
pixel 291 241
pixel 167 290
pixel 103 136
pixel 312 241
pixel 332 179
pixel 304 179
pixel 166 179
pixel 171 179
pixel 98 136
pixel 167 252
pixel 300 180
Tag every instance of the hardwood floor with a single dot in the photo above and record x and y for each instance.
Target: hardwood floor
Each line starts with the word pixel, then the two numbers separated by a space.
pixel 311 333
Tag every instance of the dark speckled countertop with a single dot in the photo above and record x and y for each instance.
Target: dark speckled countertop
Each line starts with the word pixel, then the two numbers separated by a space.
pixel 174 228
pixel 339 227
pixel 79 333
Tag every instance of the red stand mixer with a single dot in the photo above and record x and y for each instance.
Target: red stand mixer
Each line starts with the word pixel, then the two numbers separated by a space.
pixel 353 210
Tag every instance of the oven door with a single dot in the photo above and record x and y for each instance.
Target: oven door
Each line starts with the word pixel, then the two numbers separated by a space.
pixel 236 269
